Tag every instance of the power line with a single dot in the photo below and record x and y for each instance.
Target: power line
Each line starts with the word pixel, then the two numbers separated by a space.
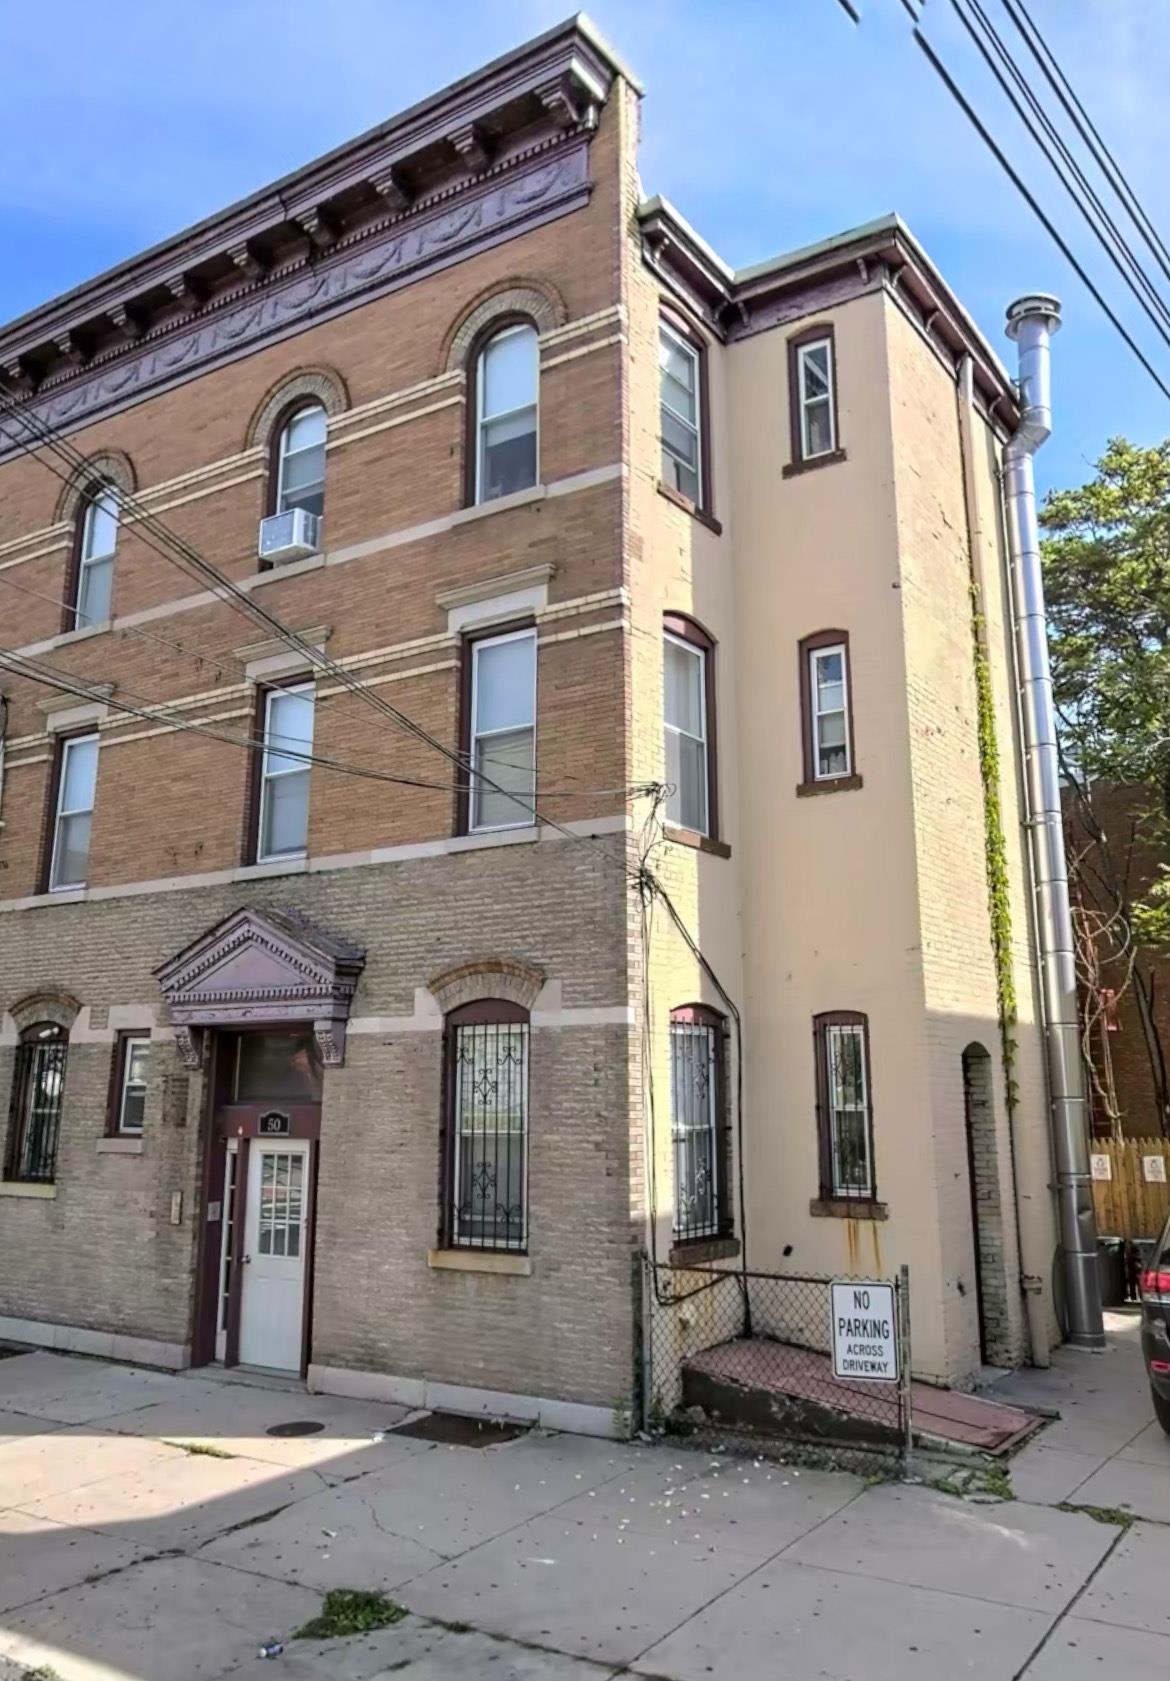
pixel 195 563
pixel 1033 39
pixel 1152 301
pixel 120 630
pixel 158 712
pixel 1029 198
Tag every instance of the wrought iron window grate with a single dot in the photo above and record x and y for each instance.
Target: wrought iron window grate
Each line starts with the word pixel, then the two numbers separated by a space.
pixel 35 1118
pixel 489 1136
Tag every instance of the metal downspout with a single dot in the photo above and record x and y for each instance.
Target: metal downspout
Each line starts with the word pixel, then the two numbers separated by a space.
pixel 1036 1331
pixel 1031 321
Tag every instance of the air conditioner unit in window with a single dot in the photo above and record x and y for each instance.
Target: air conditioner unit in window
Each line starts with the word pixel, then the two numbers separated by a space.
pixel 289 536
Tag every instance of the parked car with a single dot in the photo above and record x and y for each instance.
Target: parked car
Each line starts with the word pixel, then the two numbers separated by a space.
pixel 1154 1284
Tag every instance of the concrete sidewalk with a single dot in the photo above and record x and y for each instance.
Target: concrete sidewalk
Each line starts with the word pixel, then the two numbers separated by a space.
pixel 130 1552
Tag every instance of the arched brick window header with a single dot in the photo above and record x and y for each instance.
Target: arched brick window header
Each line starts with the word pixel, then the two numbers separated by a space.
pixel 484 978
pixel 308 385
pixel 60 1008
pixel 516 300
pixel 106 467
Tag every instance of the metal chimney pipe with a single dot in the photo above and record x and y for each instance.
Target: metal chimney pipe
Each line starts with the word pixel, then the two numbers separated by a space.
pixel 1031 322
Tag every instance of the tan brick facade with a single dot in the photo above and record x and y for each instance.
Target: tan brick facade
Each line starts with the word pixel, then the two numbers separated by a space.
pixel 873 899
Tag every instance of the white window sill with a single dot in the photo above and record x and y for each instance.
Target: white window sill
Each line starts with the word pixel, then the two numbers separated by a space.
pixel 498 504
pixel 294 864
pixel 479 1260
pixel 125 1145
pixel 290 569
pixel 82 634
pixel 21 1188
pixel 512 835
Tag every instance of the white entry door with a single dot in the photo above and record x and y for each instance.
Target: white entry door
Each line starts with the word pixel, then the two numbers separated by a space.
pixel 273 1273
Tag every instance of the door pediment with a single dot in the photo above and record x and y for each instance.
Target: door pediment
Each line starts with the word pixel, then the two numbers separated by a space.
pixel 262 966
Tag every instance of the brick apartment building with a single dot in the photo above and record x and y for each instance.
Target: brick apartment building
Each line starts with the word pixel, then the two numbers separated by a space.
pixel 368 553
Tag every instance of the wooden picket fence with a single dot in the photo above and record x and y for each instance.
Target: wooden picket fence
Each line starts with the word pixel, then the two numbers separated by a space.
pixel 1130 1200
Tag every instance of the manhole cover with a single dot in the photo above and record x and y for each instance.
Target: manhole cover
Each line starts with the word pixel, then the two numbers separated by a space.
pixel 296 1427
pixel 455 1431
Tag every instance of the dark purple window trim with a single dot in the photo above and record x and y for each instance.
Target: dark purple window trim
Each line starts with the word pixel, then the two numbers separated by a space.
pixel 798 462
pixel 498 324
pixel 701 1015
pixel 831 1200
pixel 481 1012
pixel 812 783
pixel 704 508
pixel 49 823
pixel 686 629
pixel 250 853
pixel 122 1041
pixel 481 633
pixel 70 598
pixel 295 406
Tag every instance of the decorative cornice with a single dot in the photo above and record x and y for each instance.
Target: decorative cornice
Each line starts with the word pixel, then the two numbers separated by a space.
pixel 262 966
pixel 550 88
pixel 737 303
pixel 511 197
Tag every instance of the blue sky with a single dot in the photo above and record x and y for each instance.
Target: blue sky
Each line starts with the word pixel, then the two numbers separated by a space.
pixel 770 123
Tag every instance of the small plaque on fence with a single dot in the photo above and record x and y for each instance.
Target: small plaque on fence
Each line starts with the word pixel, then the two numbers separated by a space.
pixel 865 1331
pixel 1100 1166
pixel 1154 1170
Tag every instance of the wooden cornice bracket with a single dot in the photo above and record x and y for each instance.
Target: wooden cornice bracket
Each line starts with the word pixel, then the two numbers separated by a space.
pixel 472 147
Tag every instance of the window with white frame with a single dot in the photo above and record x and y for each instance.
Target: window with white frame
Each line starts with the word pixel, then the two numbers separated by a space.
pixel 503 730
pixel 680 413
pixel 283 827
pixel 815 403
pixel 76 786
pixel 486 1168
pixel 685 720
pixel 832 751
pixel 844 1102
pixel 300 468
pixel 130 1092
pixel 507 378
pixel 97 542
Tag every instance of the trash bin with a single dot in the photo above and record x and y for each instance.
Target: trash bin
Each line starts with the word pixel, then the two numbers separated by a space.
pixel 1111 1270
pixel 1141 1250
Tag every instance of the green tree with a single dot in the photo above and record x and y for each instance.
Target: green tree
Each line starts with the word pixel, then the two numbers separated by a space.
pixel 1107 580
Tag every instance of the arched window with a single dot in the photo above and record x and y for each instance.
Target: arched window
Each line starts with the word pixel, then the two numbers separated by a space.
pixel 507 378
pixel 97 538
pixel 689 725
pixel 35 1116
pixel 299 468
pixel 485 1156
pixel 698 1124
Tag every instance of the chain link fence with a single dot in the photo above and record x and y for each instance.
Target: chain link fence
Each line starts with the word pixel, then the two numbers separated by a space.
pixel 741 1361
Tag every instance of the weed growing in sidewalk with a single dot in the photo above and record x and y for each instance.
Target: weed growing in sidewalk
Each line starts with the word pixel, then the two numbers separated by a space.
pixel 1100 1514
pixel 351 1611
pixel 203 1449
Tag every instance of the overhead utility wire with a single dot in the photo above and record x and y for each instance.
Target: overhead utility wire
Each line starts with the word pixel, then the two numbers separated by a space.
pixel 197 564
pixel 1152 301
pixel 121 630
pixel 1029 198
pixel 22 665
pixel 1040 50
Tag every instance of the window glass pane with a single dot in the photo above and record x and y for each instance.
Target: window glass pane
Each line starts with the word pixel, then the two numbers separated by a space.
pixel 681 440
pixel 677 363
pixel 678 399
pixel 305 430
pixel 79 774
pixel 818 428
pixel 694 1121
pixel 508 455
pixel 94 592
pixel 133 1109
pixel 505 684
pixel 277 1065
pixel 72 860
pixel 830 668
pixel 846 1068
pixel 137 1060
pixel 686 770
pixel 286 814
pixel 508 372
pixel 100 534
pixel 290 725
pixel 851 1153
pixel 508 761
pixel 304 469
pixel 814 364
pixel 684 687
pixel 679 476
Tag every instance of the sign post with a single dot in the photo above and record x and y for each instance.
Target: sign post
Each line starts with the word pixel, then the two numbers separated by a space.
pixel 865 1330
